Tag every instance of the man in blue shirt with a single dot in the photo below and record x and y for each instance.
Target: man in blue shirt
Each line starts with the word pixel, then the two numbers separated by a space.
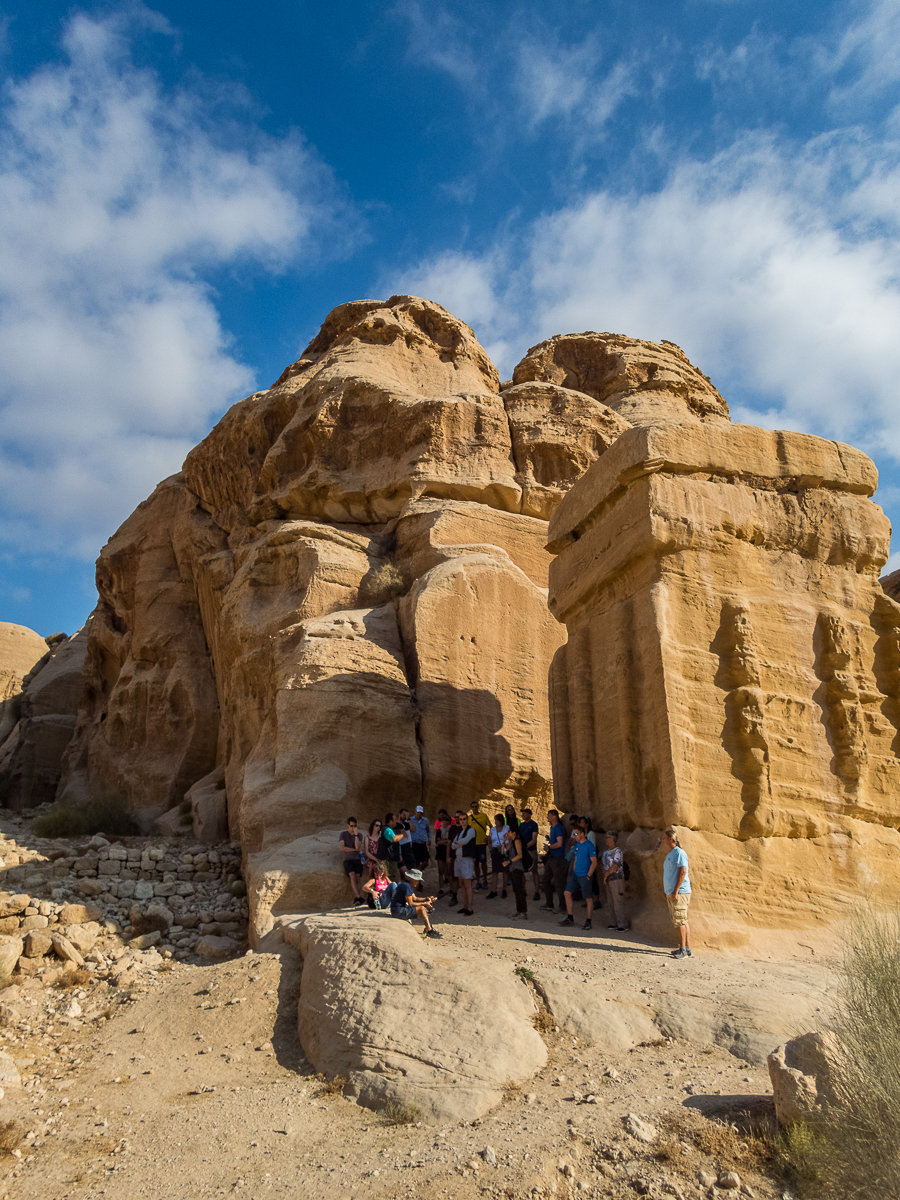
pixel 584 864
pixel 406 905
pixel 677 886
pixel 421 837
pixel 555 866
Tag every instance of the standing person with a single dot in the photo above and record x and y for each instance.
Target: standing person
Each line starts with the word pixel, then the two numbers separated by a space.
pixel 441 830
pixel 584 864
pixel 614 881
pixel 370 849
pixel 456 824
pixel 406 905
pixel 528 832
pixel 481 825
pixel 555 865
pixel 464 867
pixel 510 813
pixel 421 838
pixel 677 886
pixel 496 839
pixel 514 862
pixel 407 856
pixel 351 853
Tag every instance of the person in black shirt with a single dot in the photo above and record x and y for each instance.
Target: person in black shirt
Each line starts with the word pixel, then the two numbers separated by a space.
pixel 406 905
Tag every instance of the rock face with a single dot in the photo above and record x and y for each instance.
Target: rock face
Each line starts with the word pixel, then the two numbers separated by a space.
pixel 732 668
pixel 52 691
pixel 806 1078
pixel 20 649
pixel 377 1002
pixel 340 605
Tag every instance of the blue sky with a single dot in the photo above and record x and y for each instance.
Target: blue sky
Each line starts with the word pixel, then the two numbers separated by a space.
pixel 186 189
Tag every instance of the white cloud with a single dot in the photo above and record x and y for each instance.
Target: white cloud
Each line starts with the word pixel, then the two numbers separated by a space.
pixel 115 197
pixel 740 260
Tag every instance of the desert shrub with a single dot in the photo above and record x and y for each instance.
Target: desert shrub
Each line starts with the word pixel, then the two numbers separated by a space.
pixel 382 584
pixel 11 1134
pixel 397 1113
pixel 102 814
pixel 332 1087
pixel 855 1152
pixel 525 973
pixel 543 1022
pixel 803 1155
pixel 77 978
pixel 149 923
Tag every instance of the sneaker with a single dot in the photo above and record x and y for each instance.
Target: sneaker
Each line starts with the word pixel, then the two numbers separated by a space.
pixel 611 925
pixel 624 929
pixel 503 894
pixel 547 908
pixel 467 912
pixel 586 925
pixel 491 896
pixel 453 900
pixel 568 921
pixel 681 952
pixel 433 933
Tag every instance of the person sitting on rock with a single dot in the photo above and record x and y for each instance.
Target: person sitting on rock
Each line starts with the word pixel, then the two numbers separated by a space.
pixel 379 890
pixel 406 905
pixel 351 852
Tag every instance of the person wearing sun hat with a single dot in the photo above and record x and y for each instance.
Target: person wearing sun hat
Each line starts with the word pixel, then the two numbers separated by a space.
pixel 406 905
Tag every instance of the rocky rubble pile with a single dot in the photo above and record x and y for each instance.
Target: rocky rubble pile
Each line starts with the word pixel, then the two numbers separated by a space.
pixel 108 906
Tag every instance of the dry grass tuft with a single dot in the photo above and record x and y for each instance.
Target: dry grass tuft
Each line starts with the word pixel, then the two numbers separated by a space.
pixel 332 1087
pixel 396 1113
pixel 731 1148
pixel 543 1022
pixel 77 978
pixel 11 1134
pixel 511 1091
pixel 669 1150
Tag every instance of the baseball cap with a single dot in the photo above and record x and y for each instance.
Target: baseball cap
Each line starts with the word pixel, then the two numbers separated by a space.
pixel 419 808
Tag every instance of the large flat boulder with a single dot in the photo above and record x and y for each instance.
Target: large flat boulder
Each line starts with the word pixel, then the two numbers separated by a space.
pixel 410 1020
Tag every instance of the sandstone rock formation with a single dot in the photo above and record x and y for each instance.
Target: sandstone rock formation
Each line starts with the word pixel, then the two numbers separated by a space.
pixel 47 706
pixel 20 649
pixel 732 668
pixel 378 1004
pixel 340 604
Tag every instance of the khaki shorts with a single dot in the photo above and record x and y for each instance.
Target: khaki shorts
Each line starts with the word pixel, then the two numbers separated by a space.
pixel 678 908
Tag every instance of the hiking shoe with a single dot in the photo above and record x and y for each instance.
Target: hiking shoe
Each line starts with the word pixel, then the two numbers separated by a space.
pixel 681 952
pixel 568 921
pixel 433 933
pixel 586 925
pixel 491 896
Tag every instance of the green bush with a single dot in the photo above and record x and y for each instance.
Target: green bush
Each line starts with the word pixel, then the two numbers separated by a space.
pixel 852 1152
pixel 103 814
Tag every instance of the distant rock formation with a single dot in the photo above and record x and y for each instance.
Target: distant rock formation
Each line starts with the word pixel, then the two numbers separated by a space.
pixel 340 605
pixel 732 668
pixel 20 649
pixel 37 721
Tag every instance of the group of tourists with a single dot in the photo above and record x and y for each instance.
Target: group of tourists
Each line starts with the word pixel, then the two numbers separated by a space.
pixel 473 853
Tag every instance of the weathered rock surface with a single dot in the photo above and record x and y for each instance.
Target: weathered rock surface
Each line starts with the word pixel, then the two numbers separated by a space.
pixel 377 1000
pixel 805 1074
pixel 732 669
pixel 619 1019
pixel 51 693
pixel 340 605
pixel 20 649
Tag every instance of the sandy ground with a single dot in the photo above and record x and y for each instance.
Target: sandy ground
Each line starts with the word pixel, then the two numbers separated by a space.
pixel 193 1083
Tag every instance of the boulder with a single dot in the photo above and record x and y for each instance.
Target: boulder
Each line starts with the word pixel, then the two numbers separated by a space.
pixel 10 953
pixel 79 914
pixel 38 944
pixel 377 1000
pixel 805 1074
pixel 64 949
pixel 213 946
pixel 209 807
pixel 9 1072
pixel 20 649
pixel 82 937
